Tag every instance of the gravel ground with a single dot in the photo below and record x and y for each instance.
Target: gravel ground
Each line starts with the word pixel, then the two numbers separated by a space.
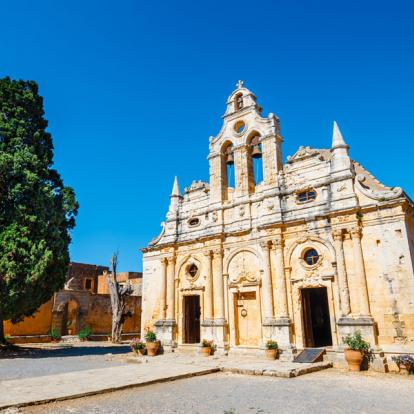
pixel 34 362
pixel 330 391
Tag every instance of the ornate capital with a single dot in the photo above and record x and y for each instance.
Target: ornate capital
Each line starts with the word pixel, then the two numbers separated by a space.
pixel 208 254
pixel 265 245
pixel 218 252
pixel 278 243
pixel 337 234
pixel 164 261
pixel 171 259
pixel 355 232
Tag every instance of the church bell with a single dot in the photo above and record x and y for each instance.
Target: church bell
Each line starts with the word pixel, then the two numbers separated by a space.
pixel 230 159
pixel 256 152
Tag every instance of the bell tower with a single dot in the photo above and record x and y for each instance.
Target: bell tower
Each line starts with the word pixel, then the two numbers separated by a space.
pixel 246 155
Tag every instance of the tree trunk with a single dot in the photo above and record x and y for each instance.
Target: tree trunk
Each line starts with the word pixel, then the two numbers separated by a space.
pixel 2 338
pixel 118 295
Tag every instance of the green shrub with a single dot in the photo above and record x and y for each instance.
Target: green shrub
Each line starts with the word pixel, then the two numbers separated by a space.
pixel 150 336
pixel 54 334
pixel 85 333
pixel 356 343
pixel 272 344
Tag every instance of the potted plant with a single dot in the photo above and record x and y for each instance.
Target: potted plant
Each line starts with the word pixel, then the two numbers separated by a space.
pixel 152 343
pixel 272 349
pixel 68 327
pixel 405 363
pixel 54 334
pixel 85 333
pixel 206 347
pixel 138 346
pixel 357 349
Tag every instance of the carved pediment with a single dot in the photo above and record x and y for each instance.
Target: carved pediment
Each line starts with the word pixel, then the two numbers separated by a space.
pixel 387 193
pixel 303 153
pixel 244 276
pixel 196 186
pixel 155 240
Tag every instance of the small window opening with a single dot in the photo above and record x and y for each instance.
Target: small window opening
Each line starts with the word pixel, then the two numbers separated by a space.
pixel 88 284
pixel 238 102
pixel 192 270
pixel 305 196
pixel 311 257
pixel 239 127
pixel 194 222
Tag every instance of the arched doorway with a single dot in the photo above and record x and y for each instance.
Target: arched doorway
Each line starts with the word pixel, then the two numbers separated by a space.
pixel 70 320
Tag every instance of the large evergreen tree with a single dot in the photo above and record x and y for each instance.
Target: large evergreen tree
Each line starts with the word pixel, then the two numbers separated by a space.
pixel 37 211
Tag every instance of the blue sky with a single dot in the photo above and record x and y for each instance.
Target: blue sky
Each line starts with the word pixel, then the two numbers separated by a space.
pixel 133 90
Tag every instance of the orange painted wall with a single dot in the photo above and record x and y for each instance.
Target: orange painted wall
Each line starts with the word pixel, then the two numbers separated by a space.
pixel 38 324
pixel 99 316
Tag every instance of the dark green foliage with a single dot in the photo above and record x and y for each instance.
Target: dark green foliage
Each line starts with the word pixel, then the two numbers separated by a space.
pixel 37 211
pixel 150 336
pixel 272 344
pixel 54 334
pixel 85 333
pixel 356 342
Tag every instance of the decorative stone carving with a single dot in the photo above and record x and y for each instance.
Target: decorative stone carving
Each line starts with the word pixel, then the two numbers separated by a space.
pixel 302 154
pixel 388 193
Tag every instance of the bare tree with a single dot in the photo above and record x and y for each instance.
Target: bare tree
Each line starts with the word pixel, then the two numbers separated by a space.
pixel 118 300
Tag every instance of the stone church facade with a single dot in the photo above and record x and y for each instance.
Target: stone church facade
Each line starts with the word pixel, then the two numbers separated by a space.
pixel 302 252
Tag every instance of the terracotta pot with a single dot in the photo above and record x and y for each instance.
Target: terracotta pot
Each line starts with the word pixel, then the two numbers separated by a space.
pixel 205 351
pixel 152 348
pixel 70 331
pixel 354 359
pixel 142 351
pixel 271 353
pixel 404 369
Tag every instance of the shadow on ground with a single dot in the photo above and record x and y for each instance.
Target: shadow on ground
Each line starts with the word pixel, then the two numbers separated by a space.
pixel 62 351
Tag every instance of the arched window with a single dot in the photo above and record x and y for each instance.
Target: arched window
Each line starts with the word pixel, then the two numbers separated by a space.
pixel 238 102
pixel 256 161
pixel 228 173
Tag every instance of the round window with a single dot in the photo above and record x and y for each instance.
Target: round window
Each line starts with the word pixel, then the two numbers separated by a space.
pixel 192 270
pixel 194 222
pixel 311 257
pixel 239 127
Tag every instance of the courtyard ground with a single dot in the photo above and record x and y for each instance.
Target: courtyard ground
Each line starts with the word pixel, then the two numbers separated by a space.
pixel 48 359
pixel 49 372
pixel 330 391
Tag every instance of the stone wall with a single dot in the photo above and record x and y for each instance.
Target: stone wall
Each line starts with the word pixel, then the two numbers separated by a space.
pixel 89 310
pixel 35 325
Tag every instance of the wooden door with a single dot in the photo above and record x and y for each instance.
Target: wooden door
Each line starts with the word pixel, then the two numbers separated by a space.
pixel 192 319
pixel 247 318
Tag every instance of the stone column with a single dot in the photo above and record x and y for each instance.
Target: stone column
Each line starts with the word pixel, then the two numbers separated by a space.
pixel 282 324
pixel 163 288
pixel 241 171
pixel 208 293
pixel 280 296
pixel 171 288
pixel 166 326
pixel 360 318
pixel 341 269
pixel 218 285
pixel 267 293
pixel 360 276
